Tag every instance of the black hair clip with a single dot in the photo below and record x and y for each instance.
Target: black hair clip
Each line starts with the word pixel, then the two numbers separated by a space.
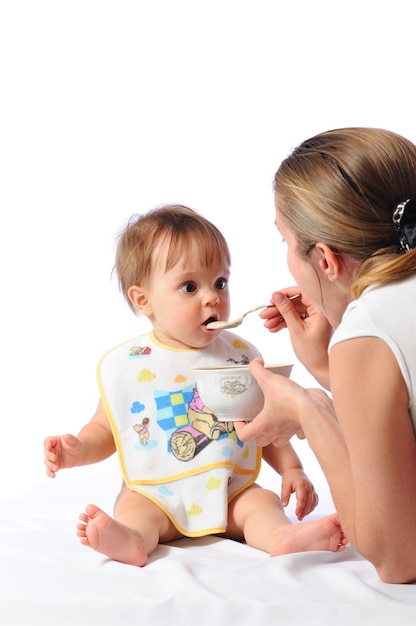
pixel 404 220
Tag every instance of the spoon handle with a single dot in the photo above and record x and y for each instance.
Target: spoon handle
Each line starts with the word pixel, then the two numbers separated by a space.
pixel 256 308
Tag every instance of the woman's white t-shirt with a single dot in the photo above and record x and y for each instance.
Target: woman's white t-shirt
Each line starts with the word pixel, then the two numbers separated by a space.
pixel 389 313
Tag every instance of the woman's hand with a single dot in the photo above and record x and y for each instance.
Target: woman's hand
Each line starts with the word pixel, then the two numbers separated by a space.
pixel 278 421
pixel 309 329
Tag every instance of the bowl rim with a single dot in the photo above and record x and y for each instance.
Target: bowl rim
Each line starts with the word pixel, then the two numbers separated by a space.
pixel 239 367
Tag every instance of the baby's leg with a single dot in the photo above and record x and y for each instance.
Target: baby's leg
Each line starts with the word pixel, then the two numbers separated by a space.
pixel 254 516
pixel 137 528
pixel 257 516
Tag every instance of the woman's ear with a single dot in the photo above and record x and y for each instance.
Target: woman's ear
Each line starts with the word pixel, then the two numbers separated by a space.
pixel 139 300
pixel 330 263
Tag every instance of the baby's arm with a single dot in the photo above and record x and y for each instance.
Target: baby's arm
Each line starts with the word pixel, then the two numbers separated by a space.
pixel 94 443
pixel 287 463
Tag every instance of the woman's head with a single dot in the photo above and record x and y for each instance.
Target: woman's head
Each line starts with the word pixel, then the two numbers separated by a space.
pixel 178 226
pixel 341 188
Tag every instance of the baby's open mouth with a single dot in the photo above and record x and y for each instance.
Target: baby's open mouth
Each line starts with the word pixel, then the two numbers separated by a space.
pixel 209 320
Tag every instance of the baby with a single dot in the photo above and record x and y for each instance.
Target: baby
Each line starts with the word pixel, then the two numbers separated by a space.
pixel 185 472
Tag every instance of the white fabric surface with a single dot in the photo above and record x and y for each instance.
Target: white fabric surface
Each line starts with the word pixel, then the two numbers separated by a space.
pixel 49 578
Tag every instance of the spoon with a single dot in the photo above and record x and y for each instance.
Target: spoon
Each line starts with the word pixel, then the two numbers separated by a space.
pixel 217 325
pixel 234 323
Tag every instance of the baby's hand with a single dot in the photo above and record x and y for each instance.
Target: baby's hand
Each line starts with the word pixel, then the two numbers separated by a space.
pixel 296 481
pixel 61 452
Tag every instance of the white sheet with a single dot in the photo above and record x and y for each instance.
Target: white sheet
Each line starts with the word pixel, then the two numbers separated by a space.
pixel 49 578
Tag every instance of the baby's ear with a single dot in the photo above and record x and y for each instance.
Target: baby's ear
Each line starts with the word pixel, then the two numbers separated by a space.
pixel 139 300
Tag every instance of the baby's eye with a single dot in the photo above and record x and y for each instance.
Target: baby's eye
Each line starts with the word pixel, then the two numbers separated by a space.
pixel 221 283
pixel 188 287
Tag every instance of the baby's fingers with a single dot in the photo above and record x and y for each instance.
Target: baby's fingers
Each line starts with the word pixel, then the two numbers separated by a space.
pixel 286 493
pixel 301 506
pixel 51 459
pixel 51 468
pixel 49 443
pixel 306 505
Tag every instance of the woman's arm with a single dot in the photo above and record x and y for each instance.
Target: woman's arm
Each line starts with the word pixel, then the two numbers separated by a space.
pixel 369 458
pixel 364 441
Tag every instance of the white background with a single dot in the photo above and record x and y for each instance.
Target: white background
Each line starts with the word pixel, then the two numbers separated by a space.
pixel 109 108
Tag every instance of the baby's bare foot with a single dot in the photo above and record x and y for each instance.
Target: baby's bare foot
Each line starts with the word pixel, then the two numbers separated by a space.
pixel 323 534
pixel 104 534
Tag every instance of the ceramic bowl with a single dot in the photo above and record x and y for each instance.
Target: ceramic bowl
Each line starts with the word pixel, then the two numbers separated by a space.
pixel 231 393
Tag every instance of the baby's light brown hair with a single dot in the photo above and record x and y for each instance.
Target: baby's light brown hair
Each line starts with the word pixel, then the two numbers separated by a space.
pixel 179 225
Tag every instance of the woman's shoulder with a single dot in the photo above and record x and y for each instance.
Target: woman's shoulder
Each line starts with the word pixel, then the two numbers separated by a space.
pixel 384 297
pixel 380 311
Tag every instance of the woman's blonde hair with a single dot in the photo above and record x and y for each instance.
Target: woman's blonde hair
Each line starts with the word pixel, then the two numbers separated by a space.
pixel 341 188
pixel 180 226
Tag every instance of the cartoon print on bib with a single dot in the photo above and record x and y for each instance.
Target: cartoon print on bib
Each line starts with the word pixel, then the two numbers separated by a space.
pixel 189 425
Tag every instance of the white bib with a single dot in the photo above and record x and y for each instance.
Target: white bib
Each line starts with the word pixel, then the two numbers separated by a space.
pixel 171 448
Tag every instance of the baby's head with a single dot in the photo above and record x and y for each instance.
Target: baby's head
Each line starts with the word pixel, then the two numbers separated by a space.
pixel 178 226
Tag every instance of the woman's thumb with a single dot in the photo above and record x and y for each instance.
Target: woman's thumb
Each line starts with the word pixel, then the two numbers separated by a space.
pixel 257 369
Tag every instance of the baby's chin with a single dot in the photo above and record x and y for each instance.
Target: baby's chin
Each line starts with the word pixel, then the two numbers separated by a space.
pixel 188 343
pixel 198 343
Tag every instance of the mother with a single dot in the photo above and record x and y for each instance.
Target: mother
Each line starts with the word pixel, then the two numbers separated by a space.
pixel 346 206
